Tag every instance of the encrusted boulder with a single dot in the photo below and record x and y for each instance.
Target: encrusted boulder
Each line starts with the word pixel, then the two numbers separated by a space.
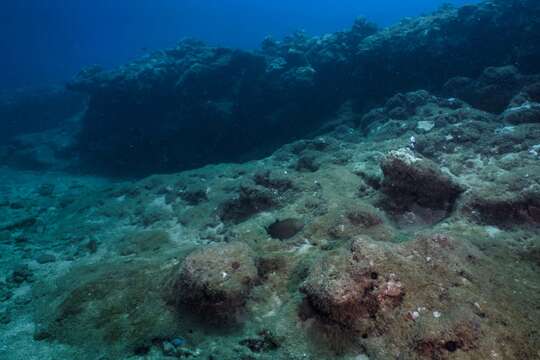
pixel 346 288
pixel 216 281
pixel 505 208
pixel 423 299
pixel 285 229
pixel 528 112
pixel 410 178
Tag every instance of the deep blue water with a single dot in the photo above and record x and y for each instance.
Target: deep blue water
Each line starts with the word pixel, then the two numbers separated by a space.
pixel 48 41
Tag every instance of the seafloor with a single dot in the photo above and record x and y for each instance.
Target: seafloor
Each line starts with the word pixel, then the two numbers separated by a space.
pixel 332 247
pixel 408 231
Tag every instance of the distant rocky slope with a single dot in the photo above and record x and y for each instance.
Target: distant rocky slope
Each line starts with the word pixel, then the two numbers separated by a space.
pixel 193 105
pixel 30 110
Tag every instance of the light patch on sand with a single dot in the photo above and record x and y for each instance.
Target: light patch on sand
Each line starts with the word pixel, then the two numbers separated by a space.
pixel 160 203
pixel 425 125
pixel 492 231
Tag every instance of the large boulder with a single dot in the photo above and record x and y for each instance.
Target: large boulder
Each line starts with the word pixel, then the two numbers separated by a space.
pixel 216 281
pixel 346 288
pixel 505 208
pixel 411 178
pixel 423 299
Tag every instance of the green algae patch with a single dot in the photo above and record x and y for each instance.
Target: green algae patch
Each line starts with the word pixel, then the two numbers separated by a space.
pixel 114 308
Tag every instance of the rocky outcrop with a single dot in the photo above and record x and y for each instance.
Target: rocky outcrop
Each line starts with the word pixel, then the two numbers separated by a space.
pixel 495 89
pixel 506 208
pixel 193 105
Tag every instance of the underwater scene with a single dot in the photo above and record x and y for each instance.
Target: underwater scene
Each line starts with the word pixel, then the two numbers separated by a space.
pixel 371 193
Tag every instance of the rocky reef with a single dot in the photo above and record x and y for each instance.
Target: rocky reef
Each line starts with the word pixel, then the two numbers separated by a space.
pixel 193 104
pixel 410 234
pixel 407 226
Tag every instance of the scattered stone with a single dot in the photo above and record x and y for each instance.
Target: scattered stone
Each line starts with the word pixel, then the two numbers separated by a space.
pixel 23 223
pixel 21 273
pixel 46 190
pixel 41 335
pixel 271 181
pixel 285 229
pixel 5 318
pixel 168 349
pixel 16 205
pixel 92 246
pixel 5 292
pixel 46 258
pixel 264 342
pixel 364 217
pixel 23 300
pixel 307 163
pixel 194 197
pixel 178 342
pixel 250 201
pixel 5 236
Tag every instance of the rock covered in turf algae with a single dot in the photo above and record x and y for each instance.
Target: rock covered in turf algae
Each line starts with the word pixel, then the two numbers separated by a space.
pixel 498 207
pixel 413 300
pixel 410 177
pixel 216 281
pixel 528 112
pixel 345 288
pixel 285 229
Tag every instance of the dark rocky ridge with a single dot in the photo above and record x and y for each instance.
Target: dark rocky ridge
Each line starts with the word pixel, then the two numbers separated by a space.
pixel 193 105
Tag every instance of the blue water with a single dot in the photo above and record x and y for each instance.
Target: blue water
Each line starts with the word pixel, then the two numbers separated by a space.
pixel 48 41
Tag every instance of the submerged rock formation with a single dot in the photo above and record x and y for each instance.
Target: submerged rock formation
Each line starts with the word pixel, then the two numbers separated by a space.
pixel 192 105
pixel 216 281
pixel 410 179
pixel 382 251
pixel 408 231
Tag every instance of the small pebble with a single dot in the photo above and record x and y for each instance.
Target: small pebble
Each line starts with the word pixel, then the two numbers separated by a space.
pixel 46 258
pixel 168 349
pixel 178 342
pixel 5 318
